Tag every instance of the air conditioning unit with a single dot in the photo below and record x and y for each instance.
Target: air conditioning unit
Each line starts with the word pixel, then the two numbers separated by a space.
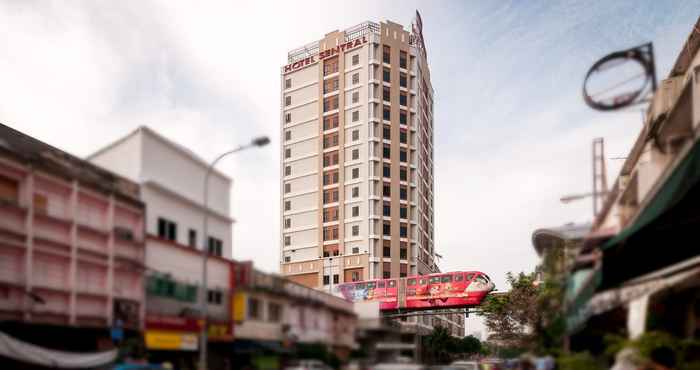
pixel 666 95
pixel 123 233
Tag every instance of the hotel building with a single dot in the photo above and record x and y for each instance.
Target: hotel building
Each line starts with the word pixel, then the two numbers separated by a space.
pixel 357 157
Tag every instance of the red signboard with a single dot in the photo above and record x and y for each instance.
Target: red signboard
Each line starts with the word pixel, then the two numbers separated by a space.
pixel 344 47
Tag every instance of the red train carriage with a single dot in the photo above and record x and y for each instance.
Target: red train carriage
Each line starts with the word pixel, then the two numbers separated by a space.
pixel 450 289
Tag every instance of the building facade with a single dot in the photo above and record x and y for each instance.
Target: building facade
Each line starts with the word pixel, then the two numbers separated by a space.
pixel 71 247
pixel 171 179
pixel 357 157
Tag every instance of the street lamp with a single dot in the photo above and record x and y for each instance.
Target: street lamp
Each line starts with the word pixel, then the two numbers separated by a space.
pixel 256 142
pixel 574 197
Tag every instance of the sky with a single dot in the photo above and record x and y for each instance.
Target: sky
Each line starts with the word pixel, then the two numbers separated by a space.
pixel 511 135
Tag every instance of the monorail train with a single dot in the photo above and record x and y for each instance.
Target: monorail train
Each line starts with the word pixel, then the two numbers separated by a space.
pixel 441 290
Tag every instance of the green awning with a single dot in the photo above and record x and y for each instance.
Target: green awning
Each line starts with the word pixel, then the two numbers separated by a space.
pixel 682 180
pixel 580 288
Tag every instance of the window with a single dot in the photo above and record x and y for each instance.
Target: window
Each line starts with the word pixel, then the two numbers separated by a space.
pixel 402 80
pixel 330 177
pixel 403 137
pixel 403 156
pixel 387 189
pixel 403 174
pixel 403 253
pixel 403 212
pixel 287 259
pixel 287 170
pixel 287 153
pixel 288 83
pixel 355 135
pixel 402 118
pixel 386 114
pixel 330 233
pixel 287 205
pixel 287 101
pixel 403 231
pixel 403 270
pixel 403 99
pixel 403 193
pixel 355 230
pixel 459 277
pixel 330 214
pixel 387 132
pixel 355 211
pixel 287 117
pixel 356 116
pixel 386 94
pixel 355 59
pixel 386 54
pixel 330 122
pixel 387 152
pixel 287 223
pixel 446 279
pixel 402 59
pixel 336 278
pixel 287 240
pixel 274 312
pixel 355 78
pixel 355 191
pixel 330 85
pixel 355 173
pixel 355 97
pixel 355 250
pixel 330 66
pixel 326 279
pixel 288 135
pixel 287 188
pixel 330 159
pixel 330 196
pixel 215 246
pixel 192 238
pixel 387 170
pixel 355 154
pixel 387 270
pixel 387 75
pixel 330 103
pixel 253 308
pixel 386 229
pixel 355 276
pixel 387 209
pixel 214 297
pixel 330 140
pixel 387 251
pixel 167 229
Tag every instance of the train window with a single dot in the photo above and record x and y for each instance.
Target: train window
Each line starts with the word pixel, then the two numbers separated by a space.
pixel 380 284
pixel 482 279
pixel 392 284
pixel 423 281
pixel 411 282
pixel 360 286
pixel 459 277
pixel 435 280
pixel 371 285
pixel 470 277
pixel 348 286
pixel 486 276
pixel 446 278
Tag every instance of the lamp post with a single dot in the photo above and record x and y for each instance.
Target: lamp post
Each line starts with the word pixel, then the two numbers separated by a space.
pixel 256 142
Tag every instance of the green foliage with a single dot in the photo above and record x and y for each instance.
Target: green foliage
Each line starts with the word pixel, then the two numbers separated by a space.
pixel 578 361
pixel 441 347
pixel 317 351
pixel 687 351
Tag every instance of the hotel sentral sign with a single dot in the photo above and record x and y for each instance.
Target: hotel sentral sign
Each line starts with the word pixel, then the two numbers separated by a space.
pixel 342 48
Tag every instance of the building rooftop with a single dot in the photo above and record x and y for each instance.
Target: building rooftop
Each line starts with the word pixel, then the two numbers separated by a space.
pixel 547 237
pixel 38 154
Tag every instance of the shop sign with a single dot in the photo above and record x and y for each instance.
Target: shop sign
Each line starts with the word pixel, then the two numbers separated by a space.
pixel 171 340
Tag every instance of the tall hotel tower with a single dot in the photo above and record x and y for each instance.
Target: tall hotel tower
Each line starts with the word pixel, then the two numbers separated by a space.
pixel 357 157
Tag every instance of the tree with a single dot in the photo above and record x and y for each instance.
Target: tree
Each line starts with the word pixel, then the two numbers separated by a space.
pixel 441 347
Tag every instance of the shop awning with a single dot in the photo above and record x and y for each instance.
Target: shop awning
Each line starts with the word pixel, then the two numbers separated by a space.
pixel 258 346
pixel 32 354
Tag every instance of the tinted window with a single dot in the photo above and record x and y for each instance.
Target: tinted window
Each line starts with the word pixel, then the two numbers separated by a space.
pixel 470 277
pixel 371 285
pixel 380 284
pixel 411 282
pixel 459 277
pixel 482 279
pixel 423 281
pixel 435 280
pixel 392 283
pixel 447 278
pixel 360 286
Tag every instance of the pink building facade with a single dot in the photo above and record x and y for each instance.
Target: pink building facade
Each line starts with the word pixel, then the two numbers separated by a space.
pixel 71 239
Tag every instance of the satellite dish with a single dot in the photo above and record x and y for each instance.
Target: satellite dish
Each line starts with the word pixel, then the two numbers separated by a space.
pixel 620 79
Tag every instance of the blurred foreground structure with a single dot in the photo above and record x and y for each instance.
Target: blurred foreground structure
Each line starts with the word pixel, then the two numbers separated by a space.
pixel 639 266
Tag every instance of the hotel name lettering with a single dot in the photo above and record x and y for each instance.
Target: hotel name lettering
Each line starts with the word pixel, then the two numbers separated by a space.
pixel 344 47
